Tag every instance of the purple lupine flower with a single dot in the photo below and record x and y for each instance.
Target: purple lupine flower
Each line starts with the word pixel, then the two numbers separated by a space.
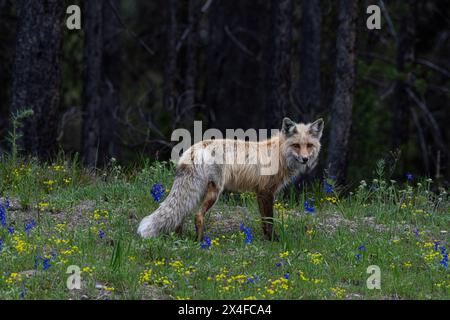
pixel 10 230
pixel 436 245
pixel 361 247
pixel 46 263
pixel 252 279
pixel 3 209
pixel 281 262
pixel 101 234
pixel 205 243
pixel 409 176
pixel 247 233
pixel 308 205
pixel 157 191
pixel 444 261
pixel 29 226
pixel 327 187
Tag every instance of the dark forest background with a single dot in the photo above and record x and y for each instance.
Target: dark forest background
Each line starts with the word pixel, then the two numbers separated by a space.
pixel 139 69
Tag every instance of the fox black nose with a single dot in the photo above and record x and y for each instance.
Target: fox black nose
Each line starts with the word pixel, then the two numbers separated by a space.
pixel 304 159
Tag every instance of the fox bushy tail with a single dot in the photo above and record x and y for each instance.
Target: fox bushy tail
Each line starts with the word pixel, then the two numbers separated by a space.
pixel 186 192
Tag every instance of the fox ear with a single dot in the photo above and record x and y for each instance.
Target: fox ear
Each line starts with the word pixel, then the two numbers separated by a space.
pixel 316 128
pixel 289 127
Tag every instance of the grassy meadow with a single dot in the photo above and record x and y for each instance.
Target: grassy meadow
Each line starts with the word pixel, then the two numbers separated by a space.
pixel 58 215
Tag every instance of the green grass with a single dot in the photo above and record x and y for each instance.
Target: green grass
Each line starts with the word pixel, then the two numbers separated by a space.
pixel 396 222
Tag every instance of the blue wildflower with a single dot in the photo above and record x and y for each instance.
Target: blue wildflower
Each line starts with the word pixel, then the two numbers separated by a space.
pixel 281 263
pixel 444 261
pixel 157 191
pixel 308 205
pixel 101 234
pixel 436 245
pixel 444 253
pixel 10 230
pixel 286 276
pixel 247 233
pixel 327 187
pixel 3 209
pixel 252 279
pixel 205 243
pixel 1 244
pixel 361 247
pixel 409 176
pixel 29 226
pixel 46 263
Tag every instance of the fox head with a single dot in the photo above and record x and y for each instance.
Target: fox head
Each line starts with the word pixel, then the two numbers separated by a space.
pixel 300 144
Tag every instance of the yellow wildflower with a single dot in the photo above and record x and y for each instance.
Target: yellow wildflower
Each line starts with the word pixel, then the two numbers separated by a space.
pixel 316 257
pixel 338 292
pixel 270 291
pixel 14 277
pixel 145 276
pixel 88 270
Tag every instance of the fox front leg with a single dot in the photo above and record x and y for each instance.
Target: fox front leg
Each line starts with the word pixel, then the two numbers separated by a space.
pixel 265 203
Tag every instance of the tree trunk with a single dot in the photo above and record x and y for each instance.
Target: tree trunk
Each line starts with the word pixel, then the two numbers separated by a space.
pixel 111 77
pixel 341 109
pixel 36 75
pixel 93 59
pixel 309 78
pixel 101 82
pixel 404 56
pixel 170 71
pixel 7 40
pixel 279 63
pixel 191 61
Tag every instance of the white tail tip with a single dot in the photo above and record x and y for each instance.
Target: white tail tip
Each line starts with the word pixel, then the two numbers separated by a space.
pixel 146 227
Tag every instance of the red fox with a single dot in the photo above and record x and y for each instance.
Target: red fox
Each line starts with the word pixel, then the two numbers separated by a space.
pixel 200 178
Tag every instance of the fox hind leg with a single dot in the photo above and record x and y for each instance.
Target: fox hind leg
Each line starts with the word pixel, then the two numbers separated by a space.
pixel 179 230
pixel 211 195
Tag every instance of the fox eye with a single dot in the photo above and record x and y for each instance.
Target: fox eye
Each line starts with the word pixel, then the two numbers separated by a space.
pixel 296 146
pixel 309 145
